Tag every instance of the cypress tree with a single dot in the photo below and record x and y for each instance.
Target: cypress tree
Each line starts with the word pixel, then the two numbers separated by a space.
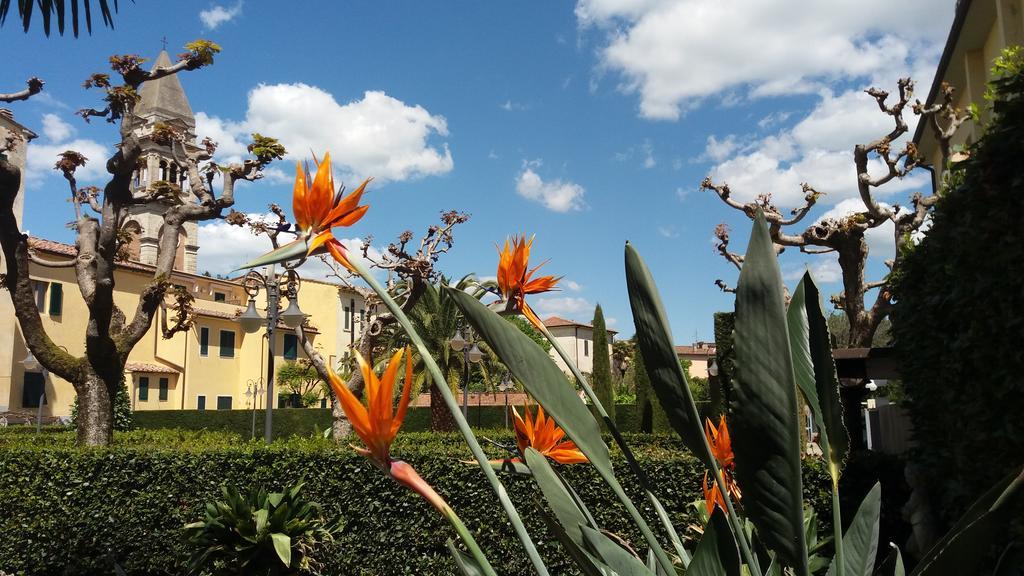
pixel 649 412
pixel 601 377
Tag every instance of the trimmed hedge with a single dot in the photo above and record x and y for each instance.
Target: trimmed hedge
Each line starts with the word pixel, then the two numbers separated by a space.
pixel 303 422
pixel 69 510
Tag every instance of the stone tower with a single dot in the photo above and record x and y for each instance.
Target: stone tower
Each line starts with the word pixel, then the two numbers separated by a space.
pixel 162 101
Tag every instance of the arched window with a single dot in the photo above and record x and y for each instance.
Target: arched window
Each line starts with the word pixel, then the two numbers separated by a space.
pixel 135 230
pixel 163 170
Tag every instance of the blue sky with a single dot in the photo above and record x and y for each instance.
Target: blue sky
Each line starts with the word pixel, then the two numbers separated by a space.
pixel 586 124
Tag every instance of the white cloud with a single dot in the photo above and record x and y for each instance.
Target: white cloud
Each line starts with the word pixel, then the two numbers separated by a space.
pixel 569 307
pixel 648 150
pixel 42 157
pixel 573 285
pixel 556 195
pixel 377 136
pixel 225 247
pixel 55 129
pixel 717 150
pixel 668 231
pixel 217 15
pixel 825 269
pixel 773 119
pixel 510 106
pixel 675 53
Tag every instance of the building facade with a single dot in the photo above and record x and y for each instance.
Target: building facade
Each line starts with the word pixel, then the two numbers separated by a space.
pixel 981 30
pixel 209 366
pixel 700 355
pixel 578 340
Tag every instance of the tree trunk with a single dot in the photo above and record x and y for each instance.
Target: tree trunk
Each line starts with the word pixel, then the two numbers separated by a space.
pixel 95 412
pixel 441 419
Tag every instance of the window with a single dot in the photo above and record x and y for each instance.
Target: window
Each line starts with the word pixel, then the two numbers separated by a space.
pixel 348 317
pixel 220 297
pixel 39 288
pixel 143 389
pixel 56 299
pixel 323 403
pixel 227 344
pixel 223 402
pixel 586 347
pixel 204 341
pixel 200 402
pixel 291 346
pixel 163 389
pixel 33 388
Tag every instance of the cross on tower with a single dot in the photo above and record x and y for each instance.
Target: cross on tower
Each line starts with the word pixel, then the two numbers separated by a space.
pixel 164 40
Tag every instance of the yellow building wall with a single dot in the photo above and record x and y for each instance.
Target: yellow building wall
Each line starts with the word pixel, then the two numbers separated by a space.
pixel 195 374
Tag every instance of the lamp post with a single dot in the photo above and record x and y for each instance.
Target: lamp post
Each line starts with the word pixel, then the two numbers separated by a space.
pixel 291 317
pixel 253 390
pixel 470 354
pixel 32 365
pixel 506 385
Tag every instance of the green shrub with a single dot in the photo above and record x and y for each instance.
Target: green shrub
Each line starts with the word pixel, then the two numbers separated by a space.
pixel 263 533
pixel 71 510
pixel 959 318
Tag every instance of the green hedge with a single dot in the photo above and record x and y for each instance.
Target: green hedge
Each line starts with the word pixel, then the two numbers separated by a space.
pixel 959 318
pixel 303 422
pixel 68 510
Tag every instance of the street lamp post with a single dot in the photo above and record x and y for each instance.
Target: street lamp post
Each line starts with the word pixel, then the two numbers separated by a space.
pixel 470 354
pixel 251 321
pixel 253 390
pixel 506 385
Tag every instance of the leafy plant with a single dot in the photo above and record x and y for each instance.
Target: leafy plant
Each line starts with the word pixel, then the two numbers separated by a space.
pixel 258 533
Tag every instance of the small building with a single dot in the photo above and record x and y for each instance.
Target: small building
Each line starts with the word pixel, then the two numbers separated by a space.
pixel 700 355
pixel 577 339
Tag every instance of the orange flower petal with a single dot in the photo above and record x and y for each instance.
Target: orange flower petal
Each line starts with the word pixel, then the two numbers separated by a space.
pixel 302 219
pixel 318 199
pixel 340 254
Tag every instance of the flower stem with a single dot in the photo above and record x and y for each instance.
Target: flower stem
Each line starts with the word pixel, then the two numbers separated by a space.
pixel 837 521
pixel 460 420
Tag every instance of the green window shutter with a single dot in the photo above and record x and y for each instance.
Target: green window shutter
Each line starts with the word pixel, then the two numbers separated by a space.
pixel 200 402
pixel 204 341
pixel 291 346
pixel 163 389
pixel 32 388
pixel 227 344
pixel 143 389
pixel 223 402
pixel 56 299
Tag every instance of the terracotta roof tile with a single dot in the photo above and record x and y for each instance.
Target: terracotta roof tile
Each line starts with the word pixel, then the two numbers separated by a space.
pixel 151 368
pixel 557 322
pixel 696 349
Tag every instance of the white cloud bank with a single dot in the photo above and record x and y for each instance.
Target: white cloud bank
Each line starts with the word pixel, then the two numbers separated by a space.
pixel 378 135
pixel 58 137
pixel 676 53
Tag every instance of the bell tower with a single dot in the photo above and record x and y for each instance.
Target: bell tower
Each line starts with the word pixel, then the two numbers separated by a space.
pixel 162 101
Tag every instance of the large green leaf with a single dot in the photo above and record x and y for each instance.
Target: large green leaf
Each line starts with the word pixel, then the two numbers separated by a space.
pixel 860 543
pixel 616 557
pixel 585 561
pixel 531 366
pixel 959 550
pixel 815 370
pixel 541 377
pixel 764 424
pixel 283 547
pixel 561 502
pixel 656 346
pixel 716 554
pixel 893 564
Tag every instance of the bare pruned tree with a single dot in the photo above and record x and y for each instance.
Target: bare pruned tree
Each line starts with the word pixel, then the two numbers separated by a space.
pixel 846 236
pixel 100 220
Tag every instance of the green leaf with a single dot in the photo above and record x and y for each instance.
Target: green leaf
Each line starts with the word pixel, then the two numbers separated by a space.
pixel 959 550
pixel 1011 561
pixel 860 543
pixel 764 427
pixel 716 554
pixel 509 465
pixel 283 547
pixel 261 520
pixel 656 346
pixel 617 558
pixel 568 513
pixel 893 564
pixel 587 563
pixel 467 565
pixel 540 376
pixel 815 370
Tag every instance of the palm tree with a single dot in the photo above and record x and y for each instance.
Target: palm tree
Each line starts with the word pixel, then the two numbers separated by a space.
pixel 50 8
pixel 436 318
